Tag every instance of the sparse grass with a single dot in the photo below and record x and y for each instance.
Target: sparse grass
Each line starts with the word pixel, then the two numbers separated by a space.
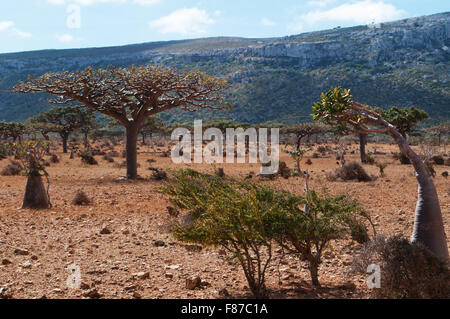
pixel 81 199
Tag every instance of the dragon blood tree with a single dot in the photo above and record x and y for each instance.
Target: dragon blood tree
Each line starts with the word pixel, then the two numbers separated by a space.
pixel 337 108
pixel 130 95
pixel 31 155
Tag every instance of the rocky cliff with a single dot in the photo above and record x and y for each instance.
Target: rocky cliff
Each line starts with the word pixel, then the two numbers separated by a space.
pixel 407 61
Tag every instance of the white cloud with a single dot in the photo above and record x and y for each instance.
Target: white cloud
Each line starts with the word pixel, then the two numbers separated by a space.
pixel 9 27
pixel 92 2
pixel 4 25
pixel 187 21
pixel 268 23
pixel 320 3
pixel 21 34
pixel 361 12
pixel 67 38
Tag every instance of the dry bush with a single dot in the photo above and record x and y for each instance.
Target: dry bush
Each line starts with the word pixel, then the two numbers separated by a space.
pixel 88 159
pixel 220 172
pixel 81 199
pixel 404 160
pixel 350 171
pixel 12 169
pixel 113 154
pixel 54 158
pixel 284 170
pixel 158 174
pixel 407 270
pixel 438 160
pixel 108 158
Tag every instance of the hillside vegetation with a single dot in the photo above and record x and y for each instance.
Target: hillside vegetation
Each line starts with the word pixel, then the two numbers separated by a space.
pixel 400 63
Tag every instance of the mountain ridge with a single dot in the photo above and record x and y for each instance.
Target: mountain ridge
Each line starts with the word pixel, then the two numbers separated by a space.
pixel 406 61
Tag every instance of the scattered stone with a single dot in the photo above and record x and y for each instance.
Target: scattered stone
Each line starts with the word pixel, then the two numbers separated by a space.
pixel 105 231
pixel 26 265
pixel 168 275
pixel 224 293
pixel 172 267
pixel 6 262
pixel 137 295
pixel 141 275
pixel 21 252
pixel 93 294
pixel 159 243
pixel 84 286
pixel 5 293
pixel 193 282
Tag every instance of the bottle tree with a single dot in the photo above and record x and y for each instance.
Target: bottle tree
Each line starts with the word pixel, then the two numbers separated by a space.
pixel 130 95
pixel 337 108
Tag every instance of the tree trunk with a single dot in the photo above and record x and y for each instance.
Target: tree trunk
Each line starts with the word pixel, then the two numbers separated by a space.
pixel 143 138
pixel 362 147
pixel 314 270
pixel 65 136
pixel 428 224
pixel 35 196
pixel 132 135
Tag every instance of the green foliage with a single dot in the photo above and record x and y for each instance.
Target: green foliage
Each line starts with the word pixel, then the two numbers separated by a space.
pixel 233 216
pixel 245 219
pixel 307 232
pixel 404 119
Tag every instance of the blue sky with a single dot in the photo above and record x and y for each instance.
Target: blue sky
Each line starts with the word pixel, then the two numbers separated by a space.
pixel 57 24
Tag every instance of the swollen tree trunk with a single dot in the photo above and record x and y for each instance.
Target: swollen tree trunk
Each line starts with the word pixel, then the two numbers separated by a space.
pixel 428 224
pixel 132 135
pixel 35 196
pixel 362 147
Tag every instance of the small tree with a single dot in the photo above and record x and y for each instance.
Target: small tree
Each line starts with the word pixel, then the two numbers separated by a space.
pixel 440 130
pixel 131 95
pixel 151 125
pixel 12 130
pixel 31 155
pixel 64 121
pixel 306 233
pixel 338 108
pixel 229 215
pixel 303 130
pixel 404 119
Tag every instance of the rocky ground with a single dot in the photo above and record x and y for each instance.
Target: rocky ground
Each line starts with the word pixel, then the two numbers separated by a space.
pixel 123 249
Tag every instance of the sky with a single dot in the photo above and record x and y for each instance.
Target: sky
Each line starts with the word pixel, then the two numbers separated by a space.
pixel 59 24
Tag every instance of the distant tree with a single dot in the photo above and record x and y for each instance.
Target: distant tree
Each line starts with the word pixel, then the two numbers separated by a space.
pixel 64 121
pixel 151 125
pixel 131 95
pixel 303 130
pixel 440 130
pixel 12 130
pixel 404 119
pixel 337 108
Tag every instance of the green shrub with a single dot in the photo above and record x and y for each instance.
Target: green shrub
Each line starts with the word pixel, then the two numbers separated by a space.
pixel 226 214
pixel 307 232
pixel 246 219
